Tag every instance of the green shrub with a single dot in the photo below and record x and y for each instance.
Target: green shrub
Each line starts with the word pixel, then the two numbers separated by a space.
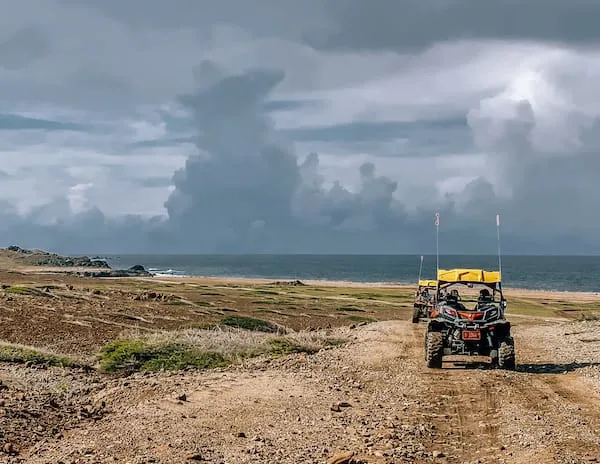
pixel 281 346
pixel 21 354
pixel 22 290
pixel 129 355
pixel 350 309
pixel 266 292
pixel 250 323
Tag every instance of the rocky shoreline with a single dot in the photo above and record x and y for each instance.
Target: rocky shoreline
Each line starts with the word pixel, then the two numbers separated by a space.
pixel 98 267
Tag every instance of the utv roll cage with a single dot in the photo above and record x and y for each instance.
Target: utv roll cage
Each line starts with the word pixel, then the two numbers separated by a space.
pixel 490 280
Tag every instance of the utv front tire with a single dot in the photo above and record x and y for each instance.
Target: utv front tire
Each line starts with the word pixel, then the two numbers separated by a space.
pixel 506 354
pixel 415 315
pixel 434 349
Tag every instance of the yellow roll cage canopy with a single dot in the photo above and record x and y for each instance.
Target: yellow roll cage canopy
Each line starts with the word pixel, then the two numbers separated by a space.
pixel 469 276
pixel 429 283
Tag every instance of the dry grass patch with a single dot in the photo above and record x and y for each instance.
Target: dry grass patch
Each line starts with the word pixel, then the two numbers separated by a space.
pixel 204 348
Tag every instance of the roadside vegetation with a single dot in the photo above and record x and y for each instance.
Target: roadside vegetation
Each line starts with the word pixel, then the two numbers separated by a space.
pixel 20 354
pixel 205 348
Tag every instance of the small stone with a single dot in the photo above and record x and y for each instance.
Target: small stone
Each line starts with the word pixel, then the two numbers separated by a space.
pixel 241 435
pixel 181 397
pixel 438 454
pixel 341 458
pixel 337 407
pixel 195 457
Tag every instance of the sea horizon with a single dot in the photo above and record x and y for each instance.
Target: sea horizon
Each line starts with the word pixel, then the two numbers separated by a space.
pixel 543 272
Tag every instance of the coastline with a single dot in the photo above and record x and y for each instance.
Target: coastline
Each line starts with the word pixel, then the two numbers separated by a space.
pixel 514 292
pixel 13 262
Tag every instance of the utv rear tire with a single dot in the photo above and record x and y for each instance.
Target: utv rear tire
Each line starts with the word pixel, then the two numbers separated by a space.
pixel 494 360
pixel 506 354
pixel 415 315
pixel 434 349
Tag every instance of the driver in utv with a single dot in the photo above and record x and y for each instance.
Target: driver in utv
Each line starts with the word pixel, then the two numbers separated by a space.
pixel 453 299
pixel 484 298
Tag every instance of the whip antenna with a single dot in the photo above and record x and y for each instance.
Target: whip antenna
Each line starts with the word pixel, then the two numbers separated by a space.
pixel 437 243
pixel 421 268
pixel 499 254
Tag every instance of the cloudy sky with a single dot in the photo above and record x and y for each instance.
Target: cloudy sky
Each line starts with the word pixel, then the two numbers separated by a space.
pixel 286 126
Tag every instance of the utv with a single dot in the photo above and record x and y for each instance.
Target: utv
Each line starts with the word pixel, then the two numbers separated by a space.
pixel 482 330
pixel 423 300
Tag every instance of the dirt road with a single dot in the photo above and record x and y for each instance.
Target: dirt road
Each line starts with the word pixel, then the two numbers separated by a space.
pixel 373 398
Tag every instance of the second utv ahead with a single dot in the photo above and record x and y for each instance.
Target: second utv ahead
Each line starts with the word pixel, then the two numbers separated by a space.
pixel 424 300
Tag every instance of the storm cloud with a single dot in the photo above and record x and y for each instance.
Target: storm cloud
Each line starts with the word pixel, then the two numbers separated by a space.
pixel 246 189
pixel 307 127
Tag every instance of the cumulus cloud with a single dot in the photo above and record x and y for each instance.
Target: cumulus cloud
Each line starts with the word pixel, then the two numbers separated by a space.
pixel 247 185
pixel 540 136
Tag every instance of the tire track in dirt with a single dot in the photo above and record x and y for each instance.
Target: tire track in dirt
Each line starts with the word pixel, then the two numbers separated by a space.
pixel 465 406
pixel 550 413
pixel 499 416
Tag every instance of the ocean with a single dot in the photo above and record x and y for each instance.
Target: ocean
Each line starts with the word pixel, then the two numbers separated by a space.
pixel 563 273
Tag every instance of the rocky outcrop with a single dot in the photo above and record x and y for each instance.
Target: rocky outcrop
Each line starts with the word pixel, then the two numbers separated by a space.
pixel 293 283
pixel 98 267
pixel 134 271
pixel 44 258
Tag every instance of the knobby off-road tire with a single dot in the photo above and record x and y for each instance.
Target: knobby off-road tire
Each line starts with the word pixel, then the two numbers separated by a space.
pixel 434 349
pixel 506 354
